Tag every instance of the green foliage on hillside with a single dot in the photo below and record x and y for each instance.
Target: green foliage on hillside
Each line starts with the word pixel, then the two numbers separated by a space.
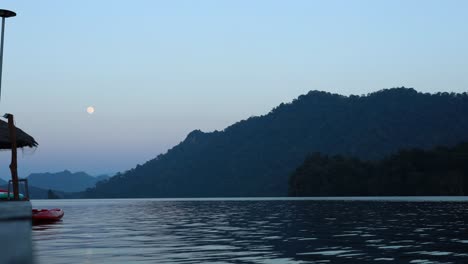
pixel 441 171
pixel 254 157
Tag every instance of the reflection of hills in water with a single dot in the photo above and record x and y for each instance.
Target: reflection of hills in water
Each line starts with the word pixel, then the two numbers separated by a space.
pixel 256 231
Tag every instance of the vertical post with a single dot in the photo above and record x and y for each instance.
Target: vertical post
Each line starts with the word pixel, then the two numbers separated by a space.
pixel 3 14
pixel 14 164
pixel 1 54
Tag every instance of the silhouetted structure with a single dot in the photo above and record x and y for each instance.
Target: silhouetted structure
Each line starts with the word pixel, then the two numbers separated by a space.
pixel 13 138
pixel 3 14
pixel 22 138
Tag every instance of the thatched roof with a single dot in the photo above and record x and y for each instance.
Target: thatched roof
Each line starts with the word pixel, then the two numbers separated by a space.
pixel 22 139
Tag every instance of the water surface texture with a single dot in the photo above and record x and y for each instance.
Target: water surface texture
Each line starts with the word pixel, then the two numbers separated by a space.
pixel 254 231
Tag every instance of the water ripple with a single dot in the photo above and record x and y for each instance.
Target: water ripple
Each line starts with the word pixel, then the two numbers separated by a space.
pixel 253 231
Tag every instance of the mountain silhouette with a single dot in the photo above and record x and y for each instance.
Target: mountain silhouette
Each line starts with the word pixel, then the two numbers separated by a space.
pixel 254 157
pixel 64 181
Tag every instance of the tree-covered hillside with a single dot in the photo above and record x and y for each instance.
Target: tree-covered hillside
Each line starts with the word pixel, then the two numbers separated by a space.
pixel 254 157
pixel 441 171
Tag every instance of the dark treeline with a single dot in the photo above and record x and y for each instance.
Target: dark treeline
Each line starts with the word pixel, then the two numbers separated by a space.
pixel 255 157
pixel 441 171
pixel 52 195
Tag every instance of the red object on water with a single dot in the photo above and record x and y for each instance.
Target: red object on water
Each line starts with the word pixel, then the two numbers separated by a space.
pixel 47 215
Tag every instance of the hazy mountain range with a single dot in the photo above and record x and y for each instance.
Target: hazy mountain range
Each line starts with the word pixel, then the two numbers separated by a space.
pixel 64 181
pixel 255 157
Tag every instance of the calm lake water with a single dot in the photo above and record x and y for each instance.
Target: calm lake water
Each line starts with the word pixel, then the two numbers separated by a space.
pixel 403 230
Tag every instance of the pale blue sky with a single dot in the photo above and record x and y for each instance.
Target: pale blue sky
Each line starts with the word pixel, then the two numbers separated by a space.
pixel 155 70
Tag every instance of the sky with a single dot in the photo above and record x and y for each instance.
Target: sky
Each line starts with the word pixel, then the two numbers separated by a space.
pixel 156 70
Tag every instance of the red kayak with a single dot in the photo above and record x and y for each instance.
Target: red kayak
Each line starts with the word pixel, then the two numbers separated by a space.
pixel 47 215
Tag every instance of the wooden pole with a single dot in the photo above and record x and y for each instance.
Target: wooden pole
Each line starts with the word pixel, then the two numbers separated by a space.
pixel 14 164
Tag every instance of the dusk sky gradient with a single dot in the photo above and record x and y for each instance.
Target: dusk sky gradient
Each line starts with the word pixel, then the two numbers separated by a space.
pixel 156 70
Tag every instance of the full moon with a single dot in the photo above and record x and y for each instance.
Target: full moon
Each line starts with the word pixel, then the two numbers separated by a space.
pixel 90 110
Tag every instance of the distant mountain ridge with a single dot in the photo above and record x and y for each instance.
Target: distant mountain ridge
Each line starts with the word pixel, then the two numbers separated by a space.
pixel 64 181
pixel 254 157
pixel 38 193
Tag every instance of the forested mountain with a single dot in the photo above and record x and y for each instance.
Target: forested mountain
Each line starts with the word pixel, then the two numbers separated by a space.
pixel 254 157
pixel 64 181
pixel 441 171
